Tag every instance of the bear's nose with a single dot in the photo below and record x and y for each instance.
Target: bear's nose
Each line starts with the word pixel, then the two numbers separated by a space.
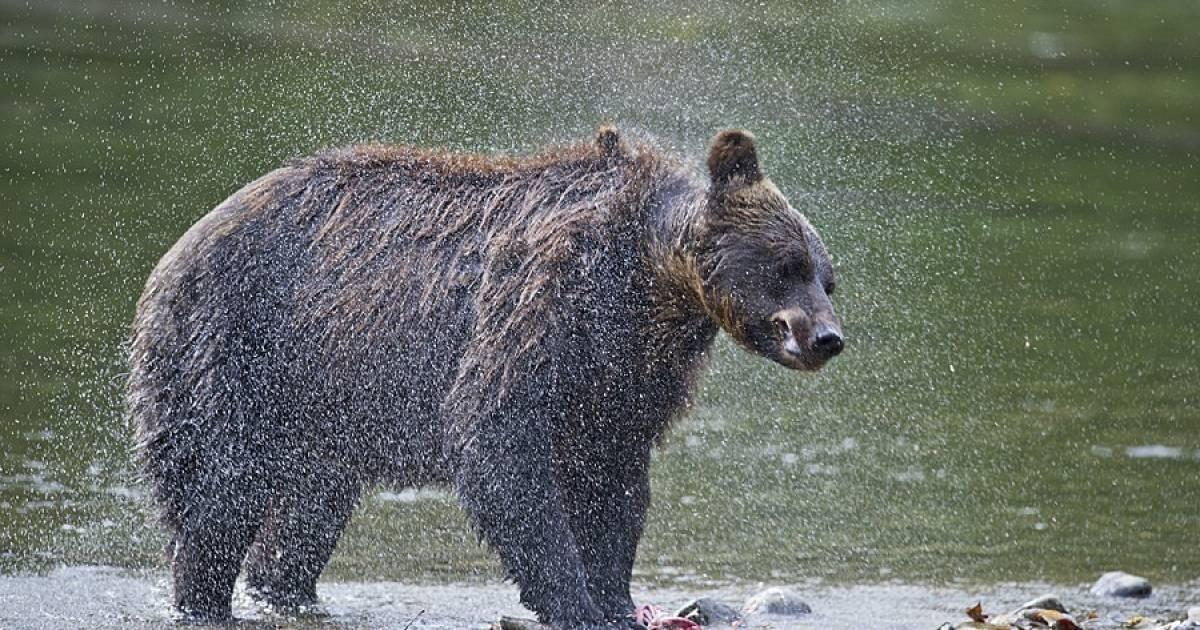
pixel 828 341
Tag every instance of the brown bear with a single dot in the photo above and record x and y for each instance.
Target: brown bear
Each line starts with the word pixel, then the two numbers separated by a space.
pixel 522 328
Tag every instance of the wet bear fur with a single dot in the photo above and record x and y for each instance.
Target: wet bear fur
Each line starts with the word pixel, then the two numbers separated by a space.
pixel 524 329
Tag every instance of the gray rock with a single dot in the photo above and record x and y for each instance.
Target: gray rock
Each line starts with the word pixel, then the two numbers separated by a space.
pixel 517 623
pixel 776 601
pixel 1027 618
pixel 1121 584
pixel 1045 602
pixel 709 612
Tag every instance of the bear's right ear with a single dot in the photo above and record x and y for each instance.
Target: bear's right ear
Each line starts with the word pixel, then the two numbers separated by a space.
pixel 608 140
pixel 732 156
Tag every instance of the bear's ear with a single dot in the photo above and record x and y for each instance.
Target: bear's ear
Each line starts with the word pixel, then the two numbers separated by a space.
pixel 731 156
pixel 608 140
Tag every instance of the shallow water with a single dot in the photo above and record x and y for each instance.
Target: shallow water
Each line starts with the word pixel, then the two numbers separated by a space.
pixel 1009 193
pixel 106 597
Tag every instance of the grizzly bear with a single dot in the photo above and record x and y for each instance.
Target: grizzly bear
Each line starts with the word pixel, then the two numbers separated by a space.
pixel 524 329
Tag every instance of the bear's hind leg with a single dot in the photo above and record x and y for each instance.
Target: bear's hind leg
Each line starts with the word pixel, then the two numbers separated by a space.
pixel 210 544
pixel 296 540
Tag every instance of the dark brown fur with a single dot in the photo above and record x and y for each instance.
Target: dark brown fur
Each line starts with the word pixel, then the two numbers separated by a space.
pixel 525 328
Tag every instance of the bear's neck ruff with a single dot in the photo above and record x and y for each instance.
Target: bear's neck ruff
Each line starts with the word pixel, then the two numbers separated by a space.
pixel 675 224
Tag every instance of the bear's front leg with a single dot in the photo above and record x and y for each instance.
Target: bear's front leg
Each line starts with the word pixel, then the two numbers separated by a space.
pixel 506 483
pixel 607 491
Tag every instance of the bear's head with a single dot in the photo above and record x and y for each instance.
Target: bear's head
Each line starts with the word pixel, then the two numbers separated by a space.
pixel 766 275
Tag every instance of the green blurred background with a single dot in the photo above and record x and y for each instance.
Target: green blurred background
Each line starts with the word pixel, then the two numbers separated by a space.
pixel 1009 190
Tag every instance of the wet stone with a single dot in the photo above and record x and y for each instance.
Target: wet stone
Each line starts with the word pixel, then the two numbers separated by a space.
pixel 1045 602
pixel 1044 610
pixel 709 612
pixel 1121 584
pixel 518 623
pixel 1032 618
pixel 776 601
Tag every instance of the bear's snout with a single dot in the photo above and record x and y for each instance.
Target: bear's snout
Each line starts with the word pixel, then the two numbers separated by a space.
pixel 804 343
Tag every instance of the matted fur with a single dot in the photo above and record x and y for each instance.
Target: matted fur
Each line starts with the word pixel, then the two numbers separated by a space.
pixel 525 328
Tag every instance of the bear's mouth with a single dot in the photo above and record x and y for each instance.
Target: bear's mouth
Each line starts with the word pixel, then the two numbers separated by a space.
pixel 795 358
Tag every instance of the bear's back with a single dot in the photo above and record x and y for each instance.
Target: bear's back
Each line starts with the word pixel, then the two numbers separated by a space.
pixel 394 234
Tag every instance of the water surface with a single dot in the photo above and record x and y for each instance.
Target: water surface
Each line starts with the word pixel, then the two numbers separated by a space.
pixel 1009 193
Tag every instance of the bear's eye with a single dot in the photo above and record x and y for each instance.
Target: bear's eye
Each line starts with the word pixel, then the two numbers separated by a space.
pixel 829 287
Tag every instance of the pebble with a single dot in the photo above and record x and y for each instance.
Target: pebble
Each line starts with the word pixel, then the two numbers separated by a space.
pixel 776 601
pixel 1121 584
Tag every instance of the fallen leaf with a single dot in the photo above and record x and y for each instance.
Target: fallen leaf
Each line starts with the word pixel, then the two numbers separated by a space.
pixel 976 613
pixel 1052 618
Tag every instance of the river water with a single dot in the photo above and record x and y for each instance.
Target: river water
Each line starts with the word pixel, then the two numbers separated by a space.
pixel 1010 195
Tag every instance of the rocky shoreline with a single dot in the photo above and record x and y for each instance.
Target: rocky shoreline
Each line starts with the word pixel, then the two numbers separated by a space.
pixel 111 598
pixel 778 607
pixel 1048 611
